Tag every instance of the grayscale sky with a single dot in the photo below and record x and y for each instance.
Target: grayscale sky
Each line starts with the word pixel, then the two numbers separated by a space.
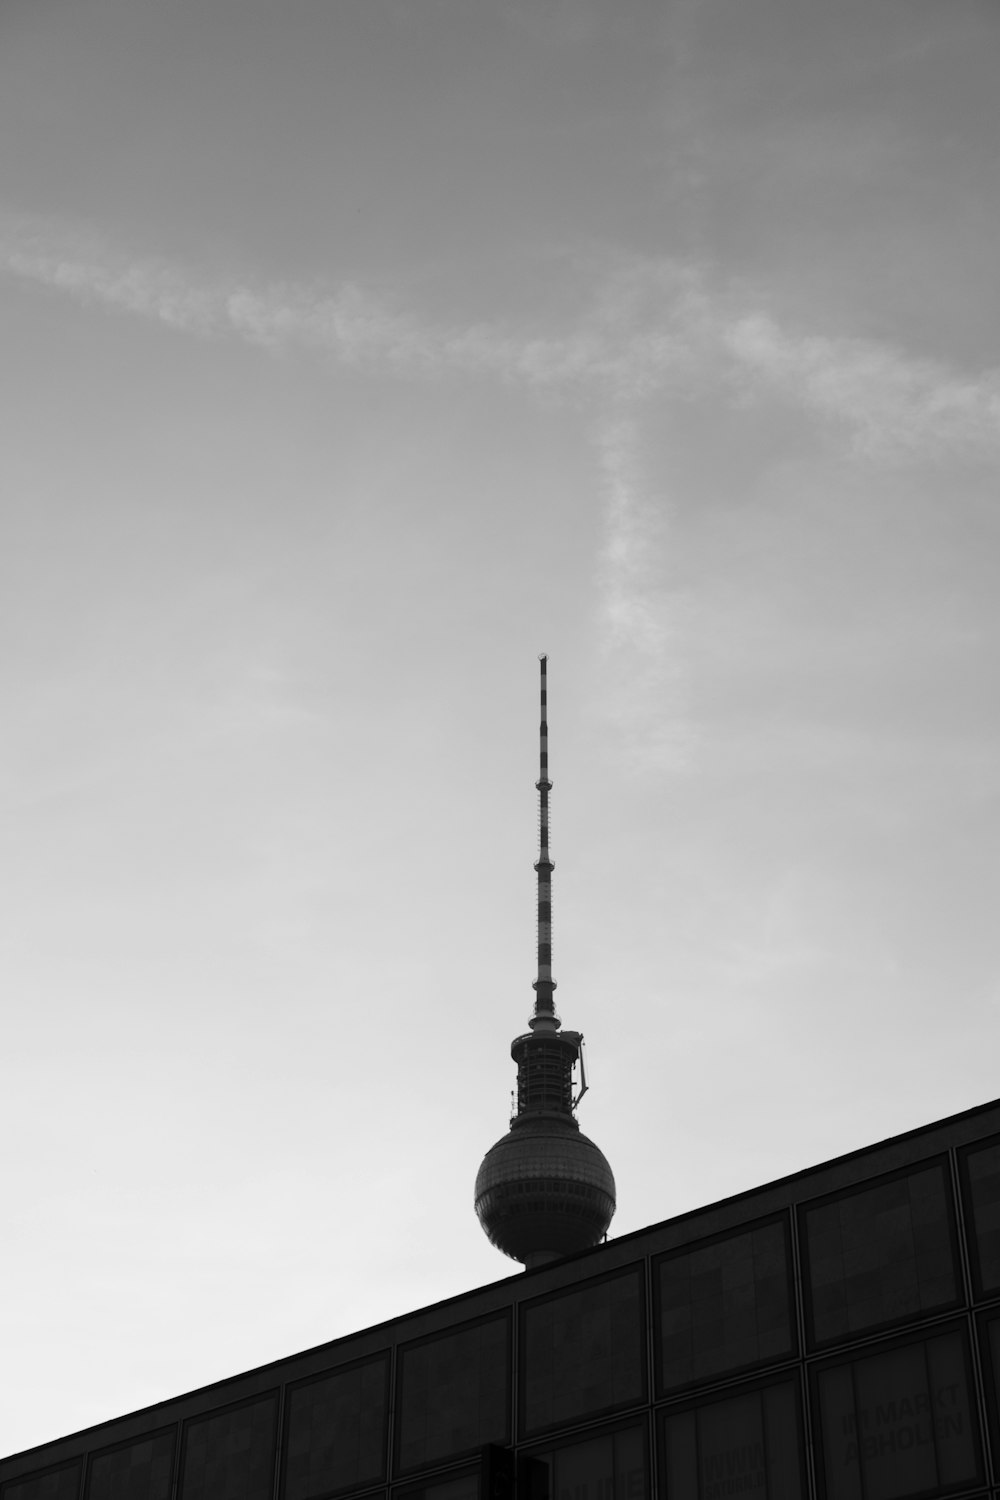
pixel 353 353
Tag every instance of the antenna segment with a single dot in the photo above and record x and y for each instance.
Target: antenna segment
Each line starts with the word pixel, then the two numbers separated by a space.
pixel 545 1017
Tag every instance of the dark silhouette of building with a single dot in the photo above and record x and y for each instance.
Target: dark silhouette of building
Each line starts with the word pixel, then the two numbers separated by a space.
pixel 834 1335
pixel 831 1336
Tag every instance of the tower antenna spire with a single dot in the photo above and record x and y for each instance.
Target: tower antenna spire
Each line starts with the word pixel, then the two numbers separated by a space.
pixel 544 1189
pixel 545 1018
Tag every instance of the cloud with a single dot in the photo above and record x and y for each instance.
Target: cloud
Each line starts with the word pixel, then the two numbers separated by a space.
pixel 642 618
pixel 146 289
pixel 631 528
pixel 348 323
pixel 895 406
pixel 653 331
pixel 654 328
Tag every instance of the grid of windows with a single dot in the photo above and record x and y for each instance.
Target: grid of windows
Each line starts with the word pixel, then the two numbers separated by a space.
pixel 759 1390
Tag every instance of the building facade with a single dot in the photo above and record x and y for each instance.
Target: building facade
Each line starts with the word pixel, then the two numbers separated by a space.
pixel 831 1336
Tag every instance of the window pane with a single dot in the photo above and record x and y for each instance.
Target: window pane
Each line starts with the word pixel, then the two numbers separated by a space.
pixel 583 1352
pixel 630 1464
pixel 983 1169
pixel 141 1471
pixel 61 1484
pixel 744 1445
pixel 723 1306
pixel 454 1394
pixel 840 1434
pixel 950 1414
pixel 902 1424
pixel 336 1431
pixel 893 1404
pixel 731 1439
pixel 465 1488
pixel 880 1255
pixel 230 1456
pixel 588 1464
pixel 783 1442
pixel 680 1439
pixel 600 1468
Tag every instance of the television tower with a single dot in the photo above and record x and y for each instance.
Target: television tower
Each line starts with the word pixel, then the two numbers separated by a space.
pixel 544 1190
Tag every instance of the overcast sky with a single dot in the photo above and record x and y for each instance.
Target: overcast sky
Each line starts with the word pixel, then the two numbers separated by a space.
pixel 353 353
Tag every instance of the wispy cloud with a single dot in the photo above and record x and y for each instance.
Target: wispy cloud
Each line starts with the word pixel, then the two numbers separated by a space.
pixel 145 288
pixel 894 405
pixel 642 617
pixel 347 323
pixel 652 331
pixel 653 327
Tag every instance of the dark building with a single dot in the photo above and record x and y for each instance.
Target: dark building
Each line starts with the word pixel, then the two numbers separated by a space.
pixel 831 1336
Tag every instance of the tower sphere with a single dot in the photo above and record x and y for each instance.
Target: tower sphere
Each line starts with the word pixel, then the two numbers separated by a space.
pixel 544 1190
